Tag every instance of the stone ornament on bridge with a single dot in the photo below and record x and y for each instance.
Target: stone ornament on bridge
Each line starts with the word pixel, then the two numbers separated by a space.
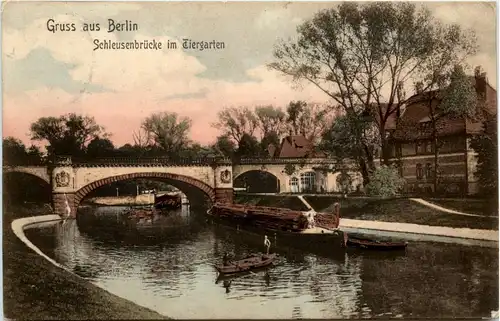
pixel 62 179
pixel 225 176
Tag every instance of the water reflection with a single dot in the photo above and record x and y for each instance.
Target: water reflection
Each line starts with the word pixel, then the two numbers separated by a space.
pixel 167 265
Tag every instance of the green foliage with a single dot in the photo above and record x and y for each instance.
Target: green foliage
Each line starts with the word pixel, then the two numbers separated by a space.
pixel 100 147
pixel 168 131
pixel 344 181
pixel 290 169
pixel 385 182
pixel 308 120
pixel 236 122
pixel 270 120
pixel 224 146
pixel 359 53
pixel 460 96
pixel 270 138
pixel 349 136
pixel 486 147
pixel 248 147
pixel 15 152
pixel 68 134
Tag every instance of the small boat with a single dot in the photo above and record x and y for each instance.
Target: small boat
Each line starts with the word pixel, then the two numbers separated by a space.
pixel 375 245
pixel 250 263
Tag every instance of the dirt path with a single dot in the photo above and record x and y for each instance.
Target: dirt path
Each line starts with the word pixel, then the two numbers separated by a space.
pixel 443 209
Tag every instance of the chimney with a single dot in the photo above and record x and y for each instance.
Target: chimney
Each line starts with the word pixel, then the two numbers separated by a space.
pixel 480 82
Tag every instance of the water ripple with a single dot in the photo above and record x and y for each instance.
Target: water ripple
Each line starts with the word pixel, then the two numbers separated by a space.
pixel 175 276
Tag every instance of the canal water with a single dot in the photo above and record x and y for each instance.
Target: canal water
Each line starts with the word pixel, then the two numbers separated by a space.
pixel 167 265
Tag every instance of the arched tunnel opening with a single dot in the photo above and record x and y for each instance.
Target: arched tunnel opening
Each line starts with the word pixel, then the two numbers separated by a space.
pixel 139 191
pixel 257 181
pixel 23 189
pixel 106 211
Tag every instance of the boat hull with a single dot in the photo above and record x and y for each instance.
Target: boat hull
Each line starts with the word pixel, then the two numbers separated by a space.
pixel 248 264
pixel 325 244
pixel 376 245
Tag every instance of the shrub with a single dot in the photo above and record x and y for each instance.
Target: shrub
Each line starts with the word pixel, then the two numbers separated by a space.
pixel 385 182
pixel 344 182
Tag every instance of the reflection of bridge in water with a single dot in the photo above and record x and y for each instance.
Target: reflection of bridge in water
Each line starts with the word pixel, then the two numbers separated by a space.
pixel 201 180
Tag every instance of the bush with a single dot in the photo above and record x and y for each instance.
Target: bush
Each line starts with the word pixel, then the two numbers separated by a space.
pixel 385 182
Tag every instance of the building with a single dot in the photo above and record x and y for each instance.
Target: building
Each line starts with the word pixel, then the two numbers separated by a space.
pixel 294 146
pixel 315 179
pixel 412 146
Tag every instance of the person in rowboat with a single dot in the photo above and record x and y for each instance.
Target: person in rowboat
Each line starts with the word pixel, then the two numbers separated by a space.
pixel 225 259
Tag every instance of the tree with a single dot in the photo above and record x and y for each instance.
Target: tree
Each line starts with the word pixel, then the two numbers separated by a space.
pixel 271 120
pixel 308 120
pixel 452 95
pixel 361 55
pixel 142 138
pixel 385 182
pixel 167 131
pixel 224 146
pixel 15 152
pixel 271 138
pixel 344 181
pixel 67 134
pixel 351 137
pixel 236 122
pixel 248 147
pixel 100 147
pixel 197 151
pixel 486 147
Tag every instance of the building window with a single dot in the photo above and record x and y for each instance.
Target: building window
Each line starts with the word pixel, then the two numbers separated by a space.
pixel 308 182
pixel 420 171
pixel 294 185
pixel 428 170
pixel 424 147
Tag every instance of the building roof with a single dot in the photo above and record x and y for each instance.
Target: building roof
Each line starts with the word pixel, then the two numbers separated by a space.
pixel 294 146
pixel 414 123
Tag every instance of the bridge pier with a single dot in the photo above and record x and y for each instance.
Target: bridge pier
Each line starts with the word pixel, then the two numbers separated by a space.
pixel 224 195
pixel 59 203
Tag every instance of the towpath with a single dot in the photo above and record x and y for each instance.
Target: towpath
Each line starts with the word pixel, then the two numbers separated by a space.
pixel 418 232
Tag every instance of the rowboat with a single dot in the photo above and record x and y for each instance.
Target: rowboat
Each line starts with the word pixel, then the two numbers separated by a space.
pixel 375 244
pixel 250 263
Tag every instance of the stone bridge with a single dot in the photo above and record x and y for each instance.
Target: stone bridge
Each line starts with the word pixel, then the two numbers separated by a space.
pixel 208 179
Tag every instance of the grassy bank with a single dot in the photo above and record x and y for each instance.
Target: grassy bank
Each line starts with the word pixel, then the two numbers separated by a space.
pixel 36 289
pixel 399 210
pixel 387 210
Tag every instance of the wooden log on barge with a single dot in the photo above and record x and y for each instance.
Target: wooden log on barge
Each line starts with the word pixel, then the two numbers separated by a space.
pixel 273 217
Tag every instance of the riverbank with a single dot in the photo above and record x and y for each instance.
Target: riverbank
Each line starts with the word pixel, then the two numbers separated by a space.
pixel 398 210
pixel 36 289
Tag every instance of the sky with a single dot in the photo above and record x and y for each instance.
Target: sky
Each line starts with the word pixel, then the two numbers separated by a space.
pixel 53 73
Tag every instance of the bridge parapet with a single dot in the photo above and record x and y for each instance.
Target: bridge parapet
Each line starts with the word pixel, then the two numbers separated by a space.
pixel 143 161
pixel 252 161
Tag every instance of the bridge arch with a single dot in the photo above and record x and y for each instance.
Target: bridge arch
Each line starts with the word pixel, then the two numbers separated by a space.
pixel 172 178
pixel 26 186
pixel 257 181
pixel 39 172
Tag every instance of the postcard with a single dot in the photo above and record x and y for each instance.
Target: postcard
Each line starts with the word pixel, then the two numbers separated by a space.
pixel 249 160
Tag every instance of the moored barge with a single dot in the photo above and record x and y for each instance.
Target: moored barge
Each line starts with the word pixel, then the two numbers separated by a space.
pixel 288 227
